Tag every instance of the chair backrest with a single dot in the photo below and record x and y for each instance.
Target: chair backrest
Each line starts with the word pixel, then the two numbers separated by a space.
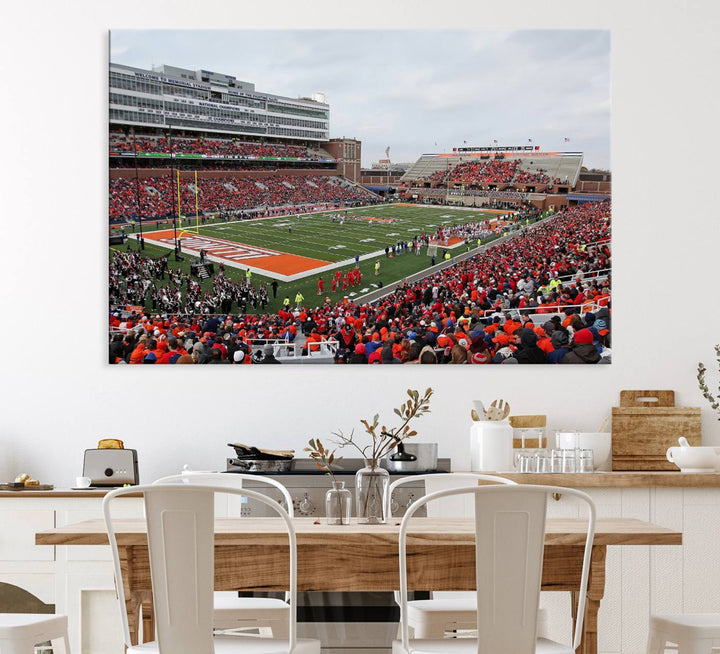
pixel 229 479
pixel 509 545
pixel 443 480
pixel 180 530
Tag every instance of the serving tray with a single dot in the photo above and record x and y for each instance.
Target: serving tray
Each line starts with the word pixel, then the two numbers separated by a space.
pixel 43 487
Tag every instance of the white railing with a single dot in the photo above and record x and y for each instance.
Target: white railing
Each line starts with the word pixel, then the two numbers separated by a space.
pixel 286 349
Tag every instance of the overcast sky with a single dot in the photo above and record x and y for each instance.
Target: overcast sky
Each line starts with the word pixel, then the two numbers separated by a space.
pixel 415 91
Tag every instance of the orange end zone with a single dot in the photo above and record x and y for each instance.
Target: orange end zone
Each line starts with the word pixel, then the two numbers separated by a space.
pixel 287 264
pixel 235 253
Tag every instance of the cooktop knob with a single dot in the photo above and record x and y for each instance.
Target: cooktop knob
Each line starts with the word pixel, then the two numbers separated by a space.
pixel 108 472
pixel 306 506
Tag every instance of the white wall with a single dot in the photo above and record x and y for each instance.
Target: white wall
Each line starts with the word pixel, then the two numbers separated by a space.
pixel 58 395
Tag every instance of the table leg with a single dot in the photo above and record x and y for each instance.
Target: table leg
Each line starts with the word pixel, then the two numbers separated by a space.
pixel 148 616
pixel 139 608
pixel 596 591
pixel 134 568
pixel 133 607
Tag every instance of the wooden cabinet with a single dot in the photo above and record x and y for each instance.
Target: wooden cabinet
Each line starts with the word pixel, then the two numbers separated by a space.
pixel 77 580
pixel 644 579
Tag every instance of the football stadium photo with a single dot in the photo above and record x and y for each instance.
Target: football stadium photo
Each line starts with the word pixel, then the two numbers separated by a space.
pixel 314 208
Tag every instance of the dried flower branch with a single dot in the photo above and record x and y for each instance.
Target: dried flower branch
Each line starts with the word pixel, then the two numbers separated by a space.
pixel 323 457
pixel 384 439
pixel 714 400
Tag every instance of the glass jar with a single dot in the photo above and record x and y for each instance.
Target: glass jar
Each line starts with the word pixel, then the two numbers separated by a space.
pixel 371 487
pixel 338 501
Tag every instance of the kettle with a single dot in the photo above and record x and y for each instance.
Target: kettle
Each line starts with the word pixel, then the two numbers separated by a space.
pixel 413 457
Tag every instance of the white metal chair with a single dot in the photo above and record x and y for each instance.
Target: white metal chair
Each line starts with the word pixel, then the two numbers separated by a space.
pixel 509 545
pixel 231 611
pixel 20 632
pixel 445 611
pixel 693 633
pixel 180 529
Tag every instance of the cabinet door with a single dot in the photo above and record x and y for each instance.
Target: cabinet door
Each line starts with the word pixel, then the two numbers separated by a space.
pixel 94 618
pixel 17 536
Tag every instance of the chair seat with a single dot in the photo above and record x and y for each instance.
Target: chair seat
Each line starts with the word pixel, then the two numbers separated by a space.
pixel 251 606
pixel 702 625
pixel 26 626
pixel 469 646
pixel 431 618
pixel 459 606
pixel 244 644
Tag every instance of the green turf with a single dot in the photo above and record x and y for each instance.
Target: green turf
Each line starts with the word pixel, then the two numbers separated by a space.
pixel 317 237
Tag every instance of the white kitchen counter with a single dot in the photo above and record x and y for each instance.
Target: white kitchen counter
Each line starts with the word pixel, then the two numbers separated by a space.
pixel 640 579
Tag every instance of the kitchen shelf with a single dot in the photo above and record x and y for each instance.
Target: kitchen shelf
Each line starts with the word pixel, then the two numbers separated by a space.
pixel 643 479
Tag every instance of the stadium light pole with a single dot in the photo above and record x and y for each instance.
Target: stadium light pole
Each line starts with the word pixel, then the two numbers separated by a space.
pixel 172 187
pixel 137 190
pixel 447 184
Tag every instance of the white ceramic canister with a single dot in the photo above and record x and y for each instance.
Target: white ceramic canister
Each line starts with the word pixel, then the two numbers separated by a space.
pixel 491 446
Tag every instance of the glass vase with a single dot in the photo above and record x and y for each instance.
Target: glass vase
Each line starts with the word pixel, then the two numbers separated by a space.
pixel 371 486
pixel 338 501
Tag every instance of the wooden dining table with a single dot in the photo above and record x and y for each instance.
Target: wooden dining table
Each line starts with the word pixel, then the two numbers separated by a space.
pixel 251 554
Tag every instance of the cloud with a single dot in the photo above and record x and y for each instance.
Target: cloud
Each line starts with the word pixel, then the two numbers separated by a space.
pixel 412 88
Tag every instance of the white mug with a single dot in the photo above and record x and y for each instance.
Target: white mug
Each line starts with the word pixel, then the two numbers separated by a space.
pixel 82 482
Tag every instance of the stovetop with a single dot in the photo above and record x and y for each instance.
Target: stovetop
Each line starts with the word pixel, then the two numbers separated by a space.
pixel 345 467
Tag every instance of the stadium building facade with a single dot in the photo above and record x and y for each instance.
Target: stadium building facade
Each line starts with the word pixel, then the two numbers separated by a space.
pixel 204 101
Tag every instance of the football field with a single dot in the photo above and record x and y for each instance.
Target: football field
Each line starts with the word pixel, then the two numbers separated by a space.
pixel 289 248
pixel 298 250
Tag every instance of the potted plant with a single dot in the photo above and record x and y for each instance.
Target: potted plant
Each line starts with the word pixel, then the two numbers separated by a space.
pixel 372 481
pixel 714 400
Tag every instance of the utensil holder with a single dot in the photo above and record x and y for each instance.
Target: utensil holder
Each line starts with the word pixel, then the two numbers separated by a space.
pixel 491 446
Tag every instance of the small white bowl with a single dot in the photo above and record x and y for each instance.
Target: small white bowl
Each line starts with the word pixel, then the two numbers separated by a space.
pixel 695 459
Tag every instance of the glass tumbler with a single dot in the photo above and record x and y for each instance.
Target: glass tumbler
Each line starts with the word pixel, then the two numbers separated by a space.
pixel 543 461
pixel 526 461
pixel 585 461
pixel 568 461
pixel 519 456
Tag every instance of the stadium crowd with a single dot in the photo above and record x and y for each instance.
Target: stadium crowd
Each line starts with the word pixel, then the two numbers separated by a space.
pixel 154 198
pixel 477 311
pixel 538 177
pixel 494 172
pixel 474 173
pixel 120 142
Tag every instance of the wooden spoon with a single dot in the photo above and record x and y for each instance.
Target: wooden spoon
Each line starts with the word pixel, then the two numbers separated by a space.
pixel 505 410
pixel 498 410
pixel 480 408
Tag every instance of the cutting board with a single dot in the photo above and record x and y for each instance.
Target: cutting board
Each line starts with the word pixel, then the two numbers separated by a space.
pixel 37 487
pixel 645 425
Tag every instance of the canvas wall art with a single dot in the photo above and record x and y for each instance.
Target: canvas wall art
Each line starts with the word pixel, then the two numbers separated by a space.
pixel 358 198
